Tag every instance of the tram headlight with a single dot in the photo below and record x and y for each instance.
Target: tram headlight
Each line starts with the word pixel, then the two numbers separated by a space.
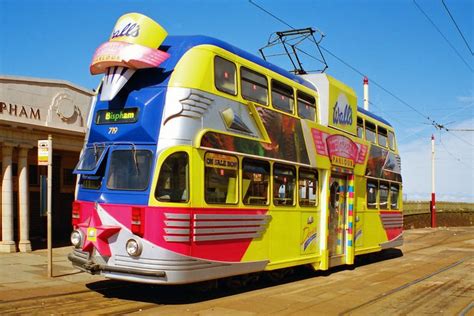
pixel 134 247
pixel 76 238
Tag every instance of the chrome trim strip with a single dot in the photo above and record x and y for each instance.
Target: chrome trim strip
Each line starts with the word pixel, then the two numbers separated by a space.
pixel 177 223
pixel 177 216
pixel 225 237
pixel 230 223
pixel 397 241
pixel 230 216
pixel 177 231
pixel 176 238
pixel 203 231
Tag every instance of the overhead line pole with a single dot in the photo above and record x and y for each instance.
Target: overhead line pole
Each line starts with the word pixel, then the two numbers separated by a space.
pixel 433 195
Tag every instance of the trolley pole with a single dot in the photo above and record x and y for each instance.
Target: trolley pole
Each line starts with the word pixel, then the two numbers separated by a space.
pixel 433 198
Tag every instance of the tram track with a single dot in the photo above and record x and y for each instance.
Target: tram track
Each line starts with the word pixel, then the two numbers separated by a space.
pixel 405 286
pixel 112 297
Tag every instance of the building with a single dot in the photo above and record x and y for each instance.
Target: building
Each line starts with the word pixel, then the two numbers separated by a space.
pixel 30 110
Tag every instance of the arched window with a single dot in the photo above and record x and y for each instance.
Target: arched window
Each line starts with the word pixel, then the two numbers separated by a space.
pixel 173 181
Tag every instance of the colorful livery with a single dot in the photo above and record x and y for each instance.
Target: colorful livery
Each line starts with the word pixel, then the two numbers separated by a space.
pixel 203 161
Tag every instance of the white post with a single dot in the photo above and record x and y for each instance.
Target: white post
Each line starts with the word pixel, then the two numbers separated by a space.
pixel 366 93
pixel 24 202
pixel 49 210
pixel 7 244
pixel 433 198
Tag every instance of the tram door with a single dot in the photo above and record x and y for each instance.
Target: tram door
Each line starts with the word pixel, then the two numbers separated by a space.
pixel 337 215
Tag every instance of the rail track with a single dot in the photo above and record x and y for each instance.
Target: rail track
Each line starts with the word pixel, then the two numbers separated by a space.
pixel 432 275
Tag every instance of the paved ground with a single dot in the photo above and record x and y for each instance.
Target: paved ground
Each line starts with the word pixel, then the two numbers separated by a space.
pixel 432 274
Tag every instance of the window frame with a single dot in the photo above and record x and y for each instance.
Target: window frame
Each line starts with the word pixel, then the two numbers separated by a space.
pixel 220 87
pixel 247 80
pixel 304 102
pixel 256 163
pixel 360 127
pixel 278 89
pixel 397 186
pixel 276 190
pixel 386 202
pixel 391 141
pixel 380 134
pixel 187 180
pixel 108 171
pixel 236 189
pixel 316 186
pixel 368 127
pixel 376 186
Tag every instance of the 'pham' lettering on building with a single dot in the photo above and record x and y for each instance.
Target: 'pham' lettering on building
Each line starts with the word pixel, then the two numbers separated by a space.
pixel 20 111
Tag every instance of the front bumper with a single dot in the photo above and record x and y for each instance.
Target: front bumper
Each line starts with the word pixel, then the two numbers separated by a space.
pixel 92 267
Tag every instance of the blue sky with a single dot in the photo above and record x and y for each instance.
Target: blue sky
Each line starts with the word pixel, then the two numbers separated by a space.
pixel 390 41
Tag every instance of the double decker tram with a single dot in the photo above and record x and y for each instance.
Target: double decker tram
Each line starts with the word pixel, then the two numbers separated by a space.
pixel 203 161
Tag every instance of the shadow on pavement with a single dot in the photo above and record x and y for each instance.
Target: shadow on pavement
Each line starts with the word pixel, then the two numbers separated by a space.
pixel 198 292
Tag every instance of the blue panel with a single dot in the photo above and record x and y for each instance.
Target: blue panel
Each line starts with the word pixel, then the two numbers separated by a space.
pixel 375 117
pixel 104 195
pixel 349 243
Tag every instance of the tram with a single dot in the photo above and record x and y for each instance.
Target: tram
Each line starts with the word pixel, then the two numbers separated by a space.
pixel 203 161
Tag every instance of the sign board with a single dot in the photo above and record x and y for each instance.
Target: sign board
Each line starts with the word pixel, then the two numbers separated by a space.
pixel 44 147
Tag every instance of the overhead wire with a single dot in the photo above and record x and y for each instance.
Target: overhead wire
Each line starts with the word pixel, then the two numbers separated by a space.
pixel 442 35
pixel 432 121
pixel 457 27
pixel 451 154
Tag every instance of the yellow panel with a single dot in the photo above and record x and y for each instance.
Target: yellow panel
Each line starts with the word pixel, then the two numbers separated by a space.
pixel 342 106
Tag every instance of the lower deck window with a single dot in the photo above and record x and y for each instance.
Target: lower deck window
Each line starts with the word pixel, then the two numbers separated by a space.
pixel 394 194
pixel 255 176
pixel 129 170
pixel 372 195
pixel 283 185
pixel 221 178
pixel 383 192
pixel 173 181
pixel 308 188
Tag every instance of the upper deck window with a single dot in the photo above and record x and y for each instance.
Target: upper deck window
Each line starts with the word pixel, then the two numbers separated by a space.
pixel 306 106
pixel 225 75
pixel 382 136
pixel 129 169
pixel 283 185
pixel 370 132
pixel 221 178
pixel 282 97
pixel 360 127
pixel 173 181
pixel 391 140
pixel 254 86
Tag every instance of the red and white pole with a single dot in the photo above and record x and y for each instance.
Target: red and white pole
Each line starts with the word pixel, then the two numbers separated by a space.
pixel 433 199
pixel 366 93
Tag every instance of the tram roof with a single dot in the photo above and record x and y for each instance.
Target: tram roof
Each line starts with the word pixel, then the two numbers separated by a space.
pixel 375 117
pixel 177 46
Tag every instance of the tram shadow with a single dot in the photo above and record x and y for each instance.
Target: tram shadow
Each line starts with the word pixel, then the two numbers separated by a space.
pixel 204 291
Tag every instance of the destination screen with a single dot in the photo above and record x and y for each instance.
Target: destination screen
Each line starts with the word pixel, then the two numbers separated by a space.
pixel 117 116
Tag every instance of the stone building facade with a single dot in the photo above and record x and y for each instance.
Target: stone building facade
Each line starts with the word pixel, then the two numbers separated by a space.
pixel 30 110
